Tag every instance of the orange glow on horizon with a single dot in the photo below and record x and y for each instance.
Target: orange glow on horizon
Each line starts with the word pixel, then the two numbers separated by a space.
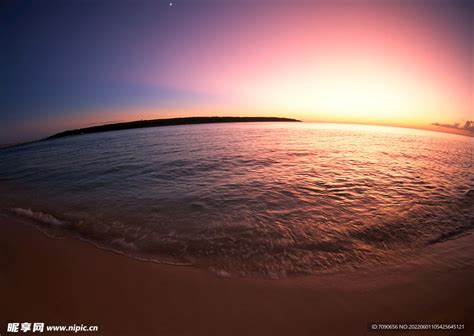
pixel 367 63
pixel 371 64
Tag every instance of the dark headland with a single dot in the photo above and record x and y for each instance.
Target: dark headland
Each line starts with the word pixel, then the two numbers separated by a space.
pixel 166 122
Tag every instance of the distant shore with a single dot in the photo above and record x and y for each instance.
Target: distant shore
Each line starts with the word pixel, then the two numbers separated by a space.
pixel 67 281
pixel 166 122
pixel 181 121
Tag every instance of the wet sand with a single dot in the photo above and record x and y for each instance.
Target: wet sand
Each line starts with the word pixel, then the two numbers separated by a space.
pixel 67 281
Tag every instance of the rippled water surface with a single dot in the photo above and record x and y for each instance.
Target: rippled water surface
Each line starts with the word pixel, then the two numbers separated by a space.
pixel 268 199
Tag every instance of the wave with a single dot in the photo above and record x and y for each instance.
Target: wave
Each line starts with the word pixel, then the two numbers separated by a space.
pixel 39 216
pixel 280 249
pixel 51 224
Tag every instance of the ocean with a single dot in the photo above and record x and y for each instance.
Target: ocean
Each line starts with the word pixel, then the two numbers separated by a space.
pixel 249 199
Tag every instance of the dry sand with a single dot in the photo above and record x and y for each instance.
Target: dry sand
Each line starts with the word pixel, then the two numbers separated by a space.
pixel 67 281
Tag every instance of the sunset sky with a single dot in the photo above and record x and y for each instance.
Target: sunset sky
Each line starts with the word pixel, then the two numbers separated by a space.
pixel 69 64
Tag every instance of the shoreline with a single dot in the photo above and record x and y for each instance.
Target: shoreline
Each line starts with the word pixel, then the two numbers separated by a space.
pixel 68 281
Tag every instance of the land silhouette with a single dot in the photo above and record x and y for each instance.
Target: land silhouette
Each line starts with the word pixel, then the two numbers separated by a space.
pixel 166 122
pixel 468 125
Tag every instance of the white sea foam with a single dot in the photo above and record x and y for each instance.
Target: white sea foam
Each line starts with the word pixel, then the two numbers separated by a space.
pixel 38 216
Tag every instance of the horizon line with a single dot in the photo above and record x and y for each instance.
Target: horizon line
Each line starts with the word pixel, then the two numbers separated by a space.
pixel 429 127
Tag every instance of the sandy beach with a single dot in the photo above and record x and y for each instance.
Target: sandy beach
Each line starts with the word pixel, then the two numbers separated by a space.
pixel 67 281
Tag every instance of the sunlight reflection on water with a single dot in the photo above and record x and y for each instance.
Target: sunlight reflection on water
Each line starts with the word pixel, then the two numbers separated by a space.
pixel 267 199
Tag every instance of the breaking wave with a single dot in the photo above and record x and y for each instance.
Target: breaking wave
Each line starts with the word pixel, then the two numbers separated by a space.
pixel 276 251
pixel 38 216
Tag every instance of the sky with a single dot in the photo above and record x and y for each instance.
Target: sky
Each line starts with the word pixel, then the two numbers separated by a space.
pixel 71 64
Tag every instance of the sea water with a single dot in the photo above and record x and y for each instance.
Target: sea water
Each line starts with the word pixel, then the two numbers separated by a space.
pixel 254 199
